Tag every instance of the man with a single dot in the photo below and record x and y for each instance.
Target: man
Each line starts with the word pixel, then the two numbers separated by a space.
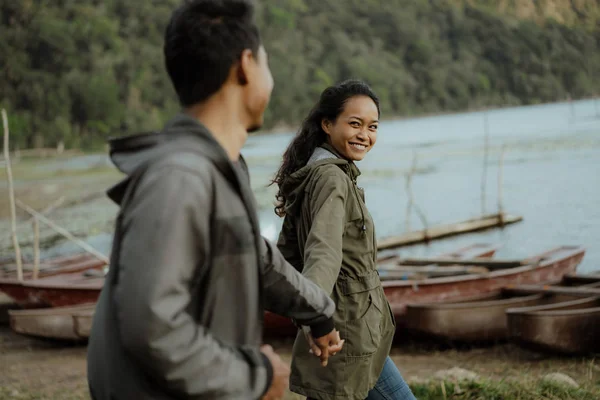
pixel 180 315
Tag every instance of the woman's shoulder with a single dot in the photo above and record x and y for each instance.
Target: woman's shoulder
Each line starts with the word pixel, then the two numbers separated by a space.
pixel 330 176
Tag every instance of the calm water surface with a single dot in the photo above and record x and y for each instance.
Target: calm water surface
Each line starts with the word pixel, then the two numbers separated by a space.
pixel 550 177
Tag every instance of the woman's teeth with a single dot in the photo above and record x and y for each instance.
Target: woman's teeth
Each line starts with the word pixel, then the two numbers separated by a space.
pixel 358 146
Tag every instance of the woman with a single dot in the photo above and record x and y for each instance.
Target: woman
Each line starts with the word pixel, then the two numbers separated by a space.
pixel 328 235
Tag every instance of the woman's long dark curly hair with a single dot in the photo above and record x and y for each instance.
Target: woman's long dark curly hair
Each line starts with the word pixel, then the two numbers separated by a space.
pixel 310 135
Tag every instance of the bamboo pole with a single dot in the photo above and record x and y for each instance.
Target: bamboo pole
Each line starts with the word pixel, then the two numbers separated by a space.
pixel 411 198
pixel 45 211
pixel 63 232
pixel 409 204
pixel 11 195
pixel 36 247
pixel 485 159
pixel 500 182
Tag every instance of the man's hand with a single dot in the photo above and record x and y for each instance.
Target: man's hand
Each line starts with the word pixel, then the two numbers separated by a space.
pixel 324 346
pixel 281 375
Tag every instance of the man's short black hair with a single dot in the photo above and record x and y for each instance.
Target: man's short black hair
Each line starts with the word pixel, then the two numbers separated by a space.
pixel 203 40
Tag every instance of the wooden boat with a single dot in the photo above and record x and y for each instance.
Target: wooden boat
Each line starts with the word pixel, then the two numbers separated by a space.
pixel 549 266
pixel 388 265
pixel 570 327
pixel 441 231
pixel 478 320
pixel 65 289
pixel 13 288
pixel 77 288
pixel 276 325
pixel 82 322
pixel 53 323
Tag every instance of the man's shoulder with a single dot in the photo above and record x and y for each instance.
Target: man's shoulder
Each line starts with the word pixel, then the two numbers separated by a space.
pixel 179 156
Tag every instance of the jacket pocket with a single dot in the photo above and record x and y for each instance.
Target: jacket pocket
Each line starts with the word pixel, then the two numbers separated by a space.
pixel 363 312
pixel 358 231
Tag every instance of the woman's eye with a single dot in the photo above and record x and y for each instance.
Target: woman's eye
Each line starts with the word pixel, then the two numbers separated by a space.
pixel 354 124
pixel 373 127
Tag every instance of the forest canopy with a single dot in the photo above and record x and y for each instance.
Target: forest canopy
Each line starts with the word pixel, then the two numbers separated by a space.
pixel 78 72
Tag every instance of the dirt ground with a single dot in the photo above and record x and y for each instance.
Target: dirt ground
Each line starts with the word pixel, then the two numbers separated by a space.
pixel 40 369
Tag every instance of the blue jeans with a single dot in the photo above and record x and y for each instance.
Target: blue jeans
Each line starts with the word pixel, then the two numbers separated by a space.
pixel 390 385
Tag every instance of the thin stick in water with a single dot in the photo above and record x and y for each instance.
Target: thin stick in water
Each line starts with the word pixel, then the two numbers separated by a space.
pixel 500 184
pixel 11 195
pixel 63 232
pixel 409 176
pixel 45 211
pixel 411 199
pixel 485 159
pixel 36 248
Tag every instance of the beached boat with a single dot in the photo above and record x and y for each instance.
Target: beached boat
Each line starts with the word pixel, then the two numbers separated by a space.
pixel 276 325
pixel 65 289
pixel 82 322
pixel 479 320
pixel 52 323
pixel 549 266
pixel 393 267
pixel 570 327
pixel 84 287
pixel 13 288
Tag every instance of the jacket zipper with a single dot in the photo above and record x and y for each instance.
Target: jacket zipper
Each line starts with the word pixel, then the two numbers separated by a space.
pixel 362 213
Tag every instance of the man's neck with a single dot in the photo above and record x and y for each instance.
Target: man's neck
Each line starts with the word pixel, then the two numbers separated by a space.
pixel 223 123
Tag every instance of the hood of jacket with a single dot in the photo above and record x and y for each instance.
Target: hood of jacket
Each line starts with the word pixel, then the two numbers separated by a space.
pixel 294 185
pixel 132 152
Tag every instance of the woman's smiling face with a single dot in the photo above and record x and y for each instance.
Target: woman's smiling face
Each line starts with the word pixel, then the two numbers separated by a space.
pixel 354 132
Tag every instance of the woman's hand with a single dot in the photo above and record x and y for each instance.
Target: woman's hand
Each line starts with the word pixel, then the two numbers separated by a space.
pixel 324 346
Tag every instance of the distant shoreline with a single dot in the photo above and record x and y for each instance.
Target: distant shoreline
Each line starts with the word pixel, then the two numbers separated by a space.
pixel 291 129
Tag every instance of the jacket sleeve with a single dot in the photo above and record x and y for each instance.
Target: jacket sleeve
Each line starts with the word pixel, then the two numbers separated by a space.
pixel 289 294
pixel 165 240
pixel 323 249
pixel 287 244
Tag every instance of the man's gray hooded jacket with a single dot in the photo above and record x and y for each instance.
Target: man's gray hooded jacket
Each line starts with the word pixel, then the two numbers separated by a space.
pixel 180 315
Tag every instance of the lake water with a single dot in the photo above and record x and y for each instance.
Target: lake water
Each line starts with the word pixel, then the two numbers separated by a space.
pixel 550 177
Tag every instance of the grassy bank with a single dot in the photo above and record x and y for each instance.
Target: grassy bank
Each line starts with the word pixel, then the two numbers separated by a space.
pixel 433 390
pixel 492 390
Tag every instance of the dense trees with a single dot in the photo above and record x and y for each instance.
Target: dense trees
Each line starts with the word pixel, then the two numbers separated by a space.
pixel 82 70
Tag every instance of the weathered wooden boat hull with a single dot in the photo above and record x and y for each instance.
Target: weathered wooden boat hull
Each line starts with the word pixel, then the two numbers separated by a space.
pixel 64 290
pixel 550 266
pixel 75 288
pixel 571 327
pixel 483 319
pixel 52 323
pixel 21 294
pixel 276 325
pixel 578 280
pixel 83 322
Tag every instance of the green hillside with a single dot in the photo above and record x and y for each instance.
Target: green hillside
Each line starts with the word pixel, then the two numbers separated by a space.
pixel 80 71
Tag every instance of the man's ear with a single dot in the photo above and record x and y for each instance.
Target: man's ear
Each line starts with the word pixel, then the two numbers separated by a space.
pixel 247 61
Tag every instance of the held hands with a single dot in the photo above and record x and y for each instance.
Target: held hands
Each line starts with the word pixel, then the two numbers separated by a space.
pixel 324 346
pixel 281 375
